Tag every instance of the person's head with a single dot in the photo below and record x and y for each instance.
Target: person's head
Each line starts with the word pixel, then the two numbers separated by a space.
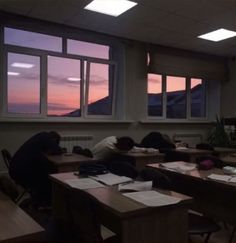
pixel 124 143
pixel 55 136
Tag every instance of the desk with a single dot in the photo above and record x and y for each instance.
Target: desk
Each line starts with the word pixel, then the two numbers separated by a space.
pixel 142 159
pixel 221 152
pixel 191 153
pixel 211 197
pixel 15 224
pixel 228 160
pixel 69 162
pixel 130 220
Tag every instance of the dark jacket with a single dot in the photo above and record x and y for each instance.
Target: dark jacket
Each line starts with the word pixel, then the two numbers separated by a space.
pixel 29 162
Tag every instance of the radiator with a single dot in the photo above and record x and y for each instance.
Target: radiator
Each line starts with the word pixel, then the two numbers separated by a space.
pixel 69 141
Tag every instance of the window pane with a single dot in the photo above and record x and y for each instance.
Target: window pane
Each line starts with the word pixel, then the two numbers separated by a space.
pixel 23 84
pixel 64 77
pixel 100 89
pixel 32 39
pixel 155 95
pixel 198 98
pixel 176 97
pixel 87 49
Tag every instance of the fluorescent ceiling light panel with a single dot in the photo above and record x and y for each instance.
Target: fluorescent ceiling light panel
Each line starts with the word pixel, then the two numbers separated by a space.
pixel 218 35
pixel 22 65
pixel 73 79
pixel 13 73
pixel 110 7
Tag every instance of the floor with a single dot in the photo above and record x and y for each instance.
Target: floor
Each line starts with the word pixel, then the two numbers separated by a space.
pixel 222 236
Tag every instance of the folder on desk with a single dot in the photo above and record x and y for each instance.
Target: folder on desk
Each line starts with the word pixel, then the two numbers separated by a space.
pixel 83 183
pixel 111 179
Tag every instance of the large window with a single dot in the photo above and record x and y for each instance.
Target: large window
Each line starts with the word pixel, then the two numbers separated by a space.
pixel 176 97
pixel 48 79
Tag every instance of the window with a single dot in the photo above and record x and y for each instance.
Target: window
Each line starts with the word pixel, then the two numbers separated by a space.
pixel 87 49
pixel 100 90
pixel 198 98
pixel 32 40
pixel 155 95
pixel 23 84
pixel 172 97
pixel 64 83
pixel 45 84
pixel 176 97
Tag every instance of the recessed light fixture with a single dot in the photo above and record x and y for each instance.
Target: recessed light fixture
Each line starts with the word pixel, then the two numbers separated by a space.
pixel 218 35
pixel 110 7
pixel 73 79
pixel 13 73
pixel 22 65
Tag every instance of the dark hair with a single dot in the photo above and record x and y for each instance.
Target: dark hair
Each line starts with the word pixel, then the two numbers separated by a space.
pixel 124 143
pixel 55 136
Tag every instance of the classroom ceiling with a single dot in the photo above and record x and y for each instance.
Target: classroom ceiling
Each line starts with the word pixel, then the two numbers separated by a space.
pixel 174 23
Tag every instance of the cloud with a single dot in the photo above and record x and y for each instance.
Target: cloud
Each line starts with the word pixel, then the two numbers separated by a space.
pixel 60 107
pixel 24 108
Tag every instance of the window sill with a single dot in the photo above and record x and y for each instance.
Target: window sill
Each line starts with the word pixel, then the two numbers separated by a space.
pixel 156 121
pixel 89 121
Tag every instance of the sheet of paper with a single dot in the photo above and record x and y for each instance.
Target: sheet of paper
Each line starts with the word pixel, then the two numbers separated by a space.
pixel 83 183
pixel 152 198
pixel 136 185
pixel 179 166
pixel 219 177
pixel 111 179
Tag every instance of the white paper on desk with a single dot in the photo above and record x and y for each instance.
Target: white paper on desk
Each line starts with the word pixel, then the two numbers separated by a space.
pixel 179 166
pixel 233 179
pixel 137 186
pixel 111 179
pixel 83 183
pixel 152 198
pixel 219 177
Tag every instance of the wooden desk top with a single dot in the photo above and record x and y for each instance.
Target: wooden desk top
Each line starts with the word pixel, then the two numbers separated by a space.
pixel 15 223
pixel 228 160
pixel 197 174
pixel 193 151
pixel 69 159
pixel 114 201
pixel 222 150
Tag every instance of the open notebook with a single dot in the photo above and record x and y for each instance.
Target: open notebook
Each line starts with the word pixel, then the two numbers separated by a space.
pixel 152 198
pixel 179 166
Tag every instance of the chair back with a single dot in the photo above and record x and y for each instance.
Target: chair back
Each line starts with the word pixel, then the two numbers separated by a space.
pixel 6 157
pixel 82 209
pixel 159 179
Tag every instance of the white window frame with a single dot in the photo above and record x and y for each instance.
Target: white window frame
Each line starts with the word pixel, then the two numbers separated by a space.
pixel 188 100
pixel 43 54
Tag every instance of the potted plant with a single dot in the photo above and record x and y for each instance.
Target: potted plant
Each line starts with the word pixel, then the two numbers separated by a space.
pixel 218 136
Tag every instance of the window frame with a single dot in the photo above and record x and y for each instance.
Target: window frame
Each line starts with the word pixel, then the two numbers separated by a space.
pixel 43 54
pixel 188 100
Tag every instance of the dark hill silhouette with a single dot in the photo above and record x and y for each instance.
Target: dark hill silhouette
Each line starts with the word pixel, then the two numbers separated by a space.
pixel 175 104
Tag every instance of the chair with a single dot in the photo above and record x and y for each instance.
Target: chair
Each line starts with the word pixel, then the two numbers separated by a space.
pixel 83 218
pixel 6 157
pixel 198 224
pixel 123 169
pixel 7 160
